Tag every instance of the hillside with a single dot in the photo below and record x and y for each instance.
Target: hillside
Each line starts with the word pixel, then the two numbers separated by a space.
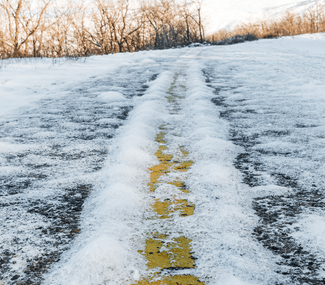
pixel 226 14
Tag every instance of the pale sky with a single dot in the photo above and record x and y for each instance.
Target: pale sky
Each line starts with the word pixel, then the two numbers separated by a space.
pixel 223 13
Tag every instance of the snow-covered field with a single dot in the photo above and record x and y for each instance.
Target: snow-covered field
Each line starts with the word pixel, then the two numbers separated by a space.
pixel 214 155
pixel 227 14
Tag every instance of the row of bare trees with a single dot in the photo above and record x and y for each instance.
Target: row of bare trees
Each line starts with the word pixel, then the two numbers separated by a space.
pixel 291 24
pixel 46 28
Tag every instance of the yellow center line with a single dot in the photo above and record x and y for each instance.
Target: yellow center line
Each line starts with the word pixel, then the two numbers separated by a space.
pixel 166 250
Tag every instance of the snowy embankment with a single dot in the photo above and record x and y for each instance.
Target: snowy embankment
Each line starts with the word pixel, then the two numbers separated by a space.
pixel 235 134
pixel 106 251
pixel 24 81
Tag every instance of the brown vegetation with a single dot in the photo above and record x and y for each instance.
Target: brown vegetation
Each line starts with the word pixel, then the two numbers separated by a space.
pixel 291 24
pixel 50 29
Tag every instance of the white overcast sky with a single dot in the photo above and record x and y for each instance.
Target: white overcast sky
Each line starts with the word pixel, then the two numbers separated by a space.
pixel 223 13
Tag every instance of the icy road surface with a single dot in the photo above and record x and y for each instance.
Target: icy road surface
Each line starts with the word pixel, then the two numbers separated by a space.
pixel 186 166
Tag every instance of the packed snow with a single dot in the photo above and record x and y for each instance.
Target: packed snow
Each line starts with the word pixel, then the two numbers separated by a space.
pixel 77 140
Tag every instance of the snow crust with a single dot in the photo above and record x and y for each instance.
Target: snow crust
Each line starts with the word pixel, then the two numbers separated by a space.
pixel 311 233
pixel 25 81
pixel 111 96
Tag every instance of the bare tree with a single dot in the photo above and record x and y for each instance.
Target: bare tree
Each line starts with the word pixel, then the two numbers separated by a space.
pixel 198 21
pixel 22 23
pixel 74 28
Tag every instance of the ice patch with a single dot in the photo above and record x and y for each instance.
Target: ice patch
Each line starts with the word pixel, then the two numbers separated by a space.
pixel 108 121
pixel 267 190
pixel 6 147
pixel 45 135
pixel 147 61
pixel 209 147
pixel 9 170
pixel 317 36
pixel 311 233
pixel 228 279
pixel 112 96
pixel 96 262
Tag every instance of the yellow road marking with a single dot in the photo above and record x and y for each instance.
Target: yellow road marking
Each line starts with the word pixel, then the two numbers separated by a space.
pixel 162 250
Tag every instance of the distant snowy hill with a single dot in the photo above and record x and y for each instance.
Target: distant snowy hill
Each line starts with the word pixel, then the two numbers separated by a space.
pixel 226 14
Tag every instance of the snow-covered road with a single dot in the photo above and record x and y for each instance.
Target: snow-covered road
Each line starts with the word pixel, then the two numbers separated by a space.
pixel 186 166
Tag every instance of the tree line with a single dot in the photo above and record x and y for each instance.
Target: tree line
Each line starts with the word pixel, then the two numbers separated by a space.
pixel 290 24
pixel 46 28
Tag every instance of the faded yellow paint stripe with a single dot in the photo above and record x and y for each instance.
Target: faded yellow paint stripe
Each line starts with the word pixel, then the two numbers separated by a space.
pixel 174 280
pixel 165 250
